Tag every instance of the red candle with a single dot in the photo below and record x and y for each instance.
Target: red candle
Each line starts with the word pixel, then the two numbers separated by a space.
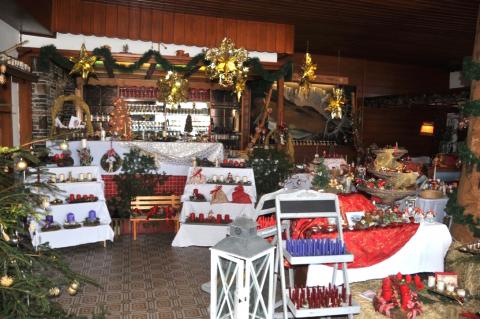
pixel 72 197
pixel 408 279
pixel 227 218
pixel 219 218
pixel 79 196
pixel 85 196
pixel 192 217
pixel 399 276
pixel 201 217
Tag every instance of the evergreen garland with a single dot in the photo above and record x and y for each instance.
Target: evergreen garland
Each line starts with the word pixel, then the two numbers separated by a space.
pixel 50 53
pixel 457 212
pixel 467 157
pixel 471 69
pixel 471 108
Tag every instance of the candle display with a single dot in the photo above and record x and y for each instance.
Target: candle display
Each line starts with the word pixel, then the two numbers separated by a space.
pixel 319 297
pixel 315 247
pixel 70 218
pixel 92 215
pixel 212 219
pixel 266 221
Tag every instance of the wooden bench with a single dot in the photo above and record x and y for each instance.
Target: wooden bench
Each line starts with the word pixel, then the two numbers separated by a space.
pixel 147 202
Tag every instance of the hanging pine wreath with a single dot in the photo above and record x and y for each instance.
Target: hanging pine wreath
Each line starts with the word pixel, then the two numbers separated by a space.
pixel 111 161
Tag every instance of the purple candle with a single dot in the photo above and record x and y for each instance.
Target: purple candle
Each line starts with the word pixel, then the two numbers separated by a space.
pixel 49 219
pixel 70 218
pixel 92 216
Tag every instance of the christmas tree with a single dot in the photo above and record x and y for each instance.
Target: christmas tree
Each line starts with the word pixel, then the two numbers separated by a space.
pixel 120 121
pixel 322 175
pixel 29 278
pixel 188 125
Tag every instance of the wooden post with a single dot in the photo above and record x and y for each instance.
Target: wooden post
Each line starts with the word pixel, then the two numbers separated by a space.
pixel 469 187
pixel 280 101
pixel 245 118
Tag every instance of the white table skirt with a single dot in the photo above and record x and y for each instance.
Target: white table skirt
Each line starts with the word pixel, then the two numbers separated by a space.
pixel 199 235
pixel 74 237
pixel 59 212
pixel 65 189
pixel 234 210
pixel 424 252
pixel 173 158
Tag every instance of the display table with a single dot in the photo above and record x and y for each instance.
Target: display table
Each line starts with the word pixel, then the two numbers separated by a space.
pixel 423 252
pixel 209 235
pixel 85 234
pixel 173 158
pixel 199 235
pixel 334 162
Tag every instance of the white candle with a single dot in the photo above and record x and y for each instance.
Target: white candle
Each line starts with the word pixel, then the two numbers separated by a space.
pixel 84 143
pixel 431 281
pixel 215 178
pixel 222 178
pixel 89 176
pixel 217 163
pixel 434 170
pixel 103 134
pixel 461 292
pixel 450 288
pixel 61 177
pixel 440 286
pixel 237 179
pixel 194 162
pixel 53 178
pixel 81 176
pixel 245 179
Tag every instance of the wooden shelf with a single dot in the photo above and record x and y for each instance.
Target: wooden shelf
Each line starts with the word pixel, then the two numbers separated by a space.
pixel 307 260
pixel 323 312
pixel 21 74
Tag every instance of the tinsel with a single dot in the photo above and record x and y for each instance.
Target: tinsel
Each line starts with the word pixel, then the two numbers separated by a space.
pixel 467 157
pixel 471 69
pixel 457 212
pixel 471 108
pixel 50 53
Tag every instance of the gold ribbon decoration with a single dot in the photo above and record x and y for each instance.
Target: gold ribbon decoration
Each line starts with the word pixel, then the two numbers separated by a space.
pixel 308 75
pixel 172 89
pixel 227 66
pixel 83 64
pixel 336 103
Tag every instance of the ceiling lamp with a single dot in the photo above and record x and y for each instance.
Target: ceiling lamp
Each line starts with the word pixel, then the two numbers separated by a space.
pixel 427 128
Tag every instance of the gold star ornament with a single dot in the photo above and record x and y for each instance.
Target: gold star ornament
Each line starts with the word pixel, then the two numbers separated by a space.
pixel 83 64
pixel 308 74
pixel 336 103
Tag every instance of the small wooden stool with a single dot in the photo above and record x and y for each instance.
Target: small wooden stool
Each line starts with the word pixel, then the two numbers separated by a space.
pixel 147 202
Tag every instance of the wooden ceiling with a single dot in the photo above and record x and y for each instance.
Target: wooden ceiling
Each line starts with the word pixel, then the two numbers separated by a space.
pixel 429 32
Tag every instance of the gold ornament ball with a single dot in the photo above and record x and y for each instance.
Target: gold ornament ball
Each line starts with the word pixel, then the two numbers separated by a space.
pixel 54 292
pixel 6 281
pixel 22 165
pixel 71 291
pixel 3 68
pixel 75 284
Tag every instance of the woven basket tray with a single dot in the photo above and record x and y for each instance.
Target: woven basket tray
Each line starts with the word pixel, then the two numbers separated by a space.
pixel 430 194
pixel 388 196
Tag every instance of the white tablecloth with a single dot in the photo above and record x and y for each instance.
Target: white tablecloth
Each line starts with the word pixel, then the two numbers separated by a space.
pixel 173 158
pixel 234 210
pixel 65 189
pixel 424 252
pixel 436 205
pixel 199 235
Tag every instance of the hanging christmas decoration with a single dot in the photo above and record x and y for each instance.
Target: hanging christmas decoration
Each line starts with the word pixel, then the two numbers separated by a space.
pixel 83 64
pixel 227 65
pixel 111 161
pixel 54 292
pixel 6 281
pixel 308 75
pixel 173 89
pixel 3 77
pixel 336 103
pixel 120 121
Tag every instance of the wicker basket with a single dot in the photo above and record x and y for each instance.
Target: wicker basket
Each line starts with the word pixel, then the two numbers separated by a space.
pixel 388 196
pixel 382 174
pixel 399 152
pixel 430 194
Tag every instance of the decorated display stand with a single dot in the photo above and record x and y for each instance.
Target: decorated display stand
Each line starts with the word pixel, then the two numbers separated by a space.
pixel 76 212
pixel 212 198
pixel 313 301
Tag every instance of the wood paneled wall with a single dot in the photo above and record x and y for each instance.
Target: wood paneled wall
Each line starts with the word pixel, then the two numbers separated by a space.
pixel 120 21
pixel 388 125
pixel 375 78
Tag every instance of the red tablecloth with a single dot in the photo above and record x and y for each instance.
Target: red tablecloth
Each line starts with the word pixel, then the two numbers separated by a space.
pixel 373 245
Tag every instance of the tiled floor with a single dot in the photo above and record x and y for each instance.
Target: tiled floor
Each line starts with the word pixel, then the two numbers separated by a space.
pixel 141 279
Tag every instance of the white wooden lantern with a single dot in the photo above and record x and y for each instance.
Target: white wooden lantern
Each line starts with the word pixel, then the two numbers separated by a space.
pixel 242 268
